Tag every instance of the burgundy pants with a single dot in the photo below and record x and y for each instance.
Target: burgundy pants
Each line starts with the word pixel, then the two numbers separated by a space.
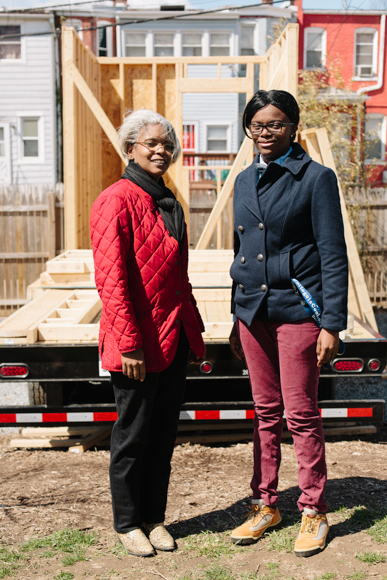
pixel 282 363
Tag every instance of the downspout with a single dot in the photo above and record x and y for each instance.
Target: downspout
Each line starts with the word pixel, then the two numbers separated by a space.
pixel 379 84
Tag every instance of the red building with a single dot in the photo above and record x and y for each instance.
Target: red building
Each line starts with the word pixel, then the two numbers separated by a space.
pixel 357 38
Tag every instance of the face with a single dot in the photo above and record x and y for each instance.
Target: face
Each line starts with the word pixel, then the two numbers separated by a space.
pixel 155 160
pixel 272 146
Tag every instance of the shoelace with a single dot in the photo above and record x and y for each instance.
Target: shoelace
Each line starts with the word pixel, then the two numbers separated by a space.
pixel 309 525
pixel 257 511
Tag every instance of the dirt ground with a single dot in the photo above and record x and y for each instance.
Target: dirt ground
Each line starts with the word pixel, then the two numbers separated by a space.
pixel 56 517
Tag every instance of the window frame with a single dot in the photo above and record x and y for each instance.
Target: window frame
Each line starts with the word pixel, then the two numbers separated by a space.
pixel 323 47
pixel 228 138
pixel 374 76
pixel 252 26
pixel 75 22
pixel 145 45
pixel 230 43
pixel 201 32
pixel 7 149
pixel 22 58
pixel 109 37
pixel 31 115
pixel 195 124
pixel 382 118
pixel 171 33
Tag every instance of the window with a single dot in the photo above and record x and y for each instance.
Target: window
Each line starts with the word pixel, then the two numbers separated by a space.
pixel 30 137
pixel 163 44
pixel 375 131
pixel 247 40
pixel 135 44
pixel 219 44
pixel 314 48
pixel 192 44
pixel 365 52
pixel 218 138
pixel 10 46
pixel 102 41
pixel 189 141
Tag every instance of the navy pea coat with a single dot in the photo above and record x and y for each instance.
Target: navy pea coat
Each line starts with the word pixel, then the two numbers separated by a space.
pixel 289 225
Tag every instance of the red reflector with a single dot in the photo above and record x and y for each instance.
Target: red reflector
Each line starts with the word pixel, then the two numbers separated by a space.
pixel 7 370
pixel 360 412
pixel 250 414
pixel 348 366
pixel 54 417
pixel 207 415
pixel 105 416
pixel 206 367
pixel 7 418
pixel 374 365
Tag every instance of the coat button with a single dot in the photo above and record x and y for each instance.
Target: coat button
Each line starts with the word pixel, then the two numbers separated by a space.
pixel 260 258
pixel 177 292
pixel 241 287
pixel 177 321
pixel 177 262
pixel 263 287
pixel 243 260
pixel 261 226
pixel 241 229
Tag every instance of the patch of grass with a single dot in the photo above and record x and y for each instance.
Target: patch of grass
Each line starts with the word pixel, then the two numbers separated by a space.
pixel 10 556
pixel 271 566
pixel 47 554
pixel 357 576
pixel 64 576
pixel 327 576
pixel 118 550
pixel 72 543
pixel 282 540
pixel 212 545
pixel 217 572
pixel 379 530
pixel 371 558
pixel 8 570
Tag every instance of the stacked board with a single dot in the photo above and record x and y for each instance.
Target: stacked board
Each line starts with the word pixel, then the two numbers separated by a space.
pixel 64 305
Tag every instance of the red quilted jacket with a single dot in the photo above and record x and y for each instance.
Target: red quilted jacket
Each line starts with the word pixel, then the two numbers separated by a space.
pixel 142 280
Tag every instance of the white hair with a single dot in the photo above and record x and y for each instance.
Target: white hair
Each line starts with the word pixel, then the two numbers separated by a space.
pixel 135 121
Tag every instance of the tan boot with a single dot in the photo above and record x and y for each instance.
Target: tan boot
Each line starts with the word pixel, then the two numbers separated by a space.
pixel 136 543
pixel 258 520
pixel 313 535
pixel 159 537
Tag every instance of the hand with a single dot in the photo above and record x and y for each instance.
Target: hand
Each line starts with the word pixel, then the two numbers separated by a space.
pixel 327 346
pixel 133 364
pixel 235 343
pixel 193 358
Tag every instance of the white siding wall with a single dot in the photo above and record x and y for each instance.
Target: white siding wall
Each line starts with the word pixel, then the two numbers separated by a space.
pixel 27 86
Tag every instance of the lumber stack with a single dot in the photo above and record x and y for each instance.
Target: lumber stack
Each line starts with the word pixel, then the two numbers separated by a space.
pixel 76 439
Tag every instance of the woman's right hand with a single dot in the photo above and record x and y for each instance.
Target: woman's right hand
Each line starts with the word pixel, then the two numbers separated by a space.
pixel 235 343
pixel 133 364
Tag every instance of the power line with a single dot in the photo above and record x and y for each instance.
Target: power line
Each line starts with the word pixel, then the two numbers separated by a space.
pixel 49 6
pixel 144 20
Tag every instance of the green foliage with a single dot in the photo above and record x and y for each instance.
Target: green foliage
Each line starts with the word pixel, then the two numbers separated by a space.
pixel 282 540
pixel 212 545
pixel 357 576
pixel 217 572
pixel 64 576
pixel 7 570
pixel 272 566
pixel 379 530
pixel 72 543
pixel 327 576
pixel 371 558
pixel 118 550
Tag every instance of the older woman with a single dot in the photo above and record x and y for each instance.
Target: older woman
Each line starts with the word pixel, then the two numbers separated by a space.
pixel 288 225
pixel 150 326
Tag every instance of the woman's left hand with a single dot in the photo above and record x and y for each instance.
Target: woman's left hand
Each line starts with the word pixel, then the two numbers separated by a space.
pixel 327 346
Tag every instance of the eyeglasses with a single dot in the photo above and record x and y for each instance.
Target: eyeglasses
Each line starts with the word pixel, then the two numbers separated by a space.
pixel 273 127
pixel 154 145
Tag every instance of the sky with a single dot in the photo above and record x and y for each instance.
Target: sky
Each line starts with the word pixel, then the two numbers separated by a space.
pixel 210 4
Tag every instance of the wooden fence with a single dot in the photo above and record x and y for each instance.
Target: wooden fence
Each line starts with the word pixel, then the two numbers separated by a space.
pixel 32 232
pixel 367 208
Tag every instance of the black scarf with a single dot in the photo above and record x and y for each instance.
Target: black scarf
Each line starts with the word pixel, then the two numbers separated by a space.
pixel 170 209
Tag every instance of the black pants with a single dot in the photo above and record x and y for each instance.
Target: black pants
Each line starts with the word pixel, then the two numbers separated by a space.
pixel 143 439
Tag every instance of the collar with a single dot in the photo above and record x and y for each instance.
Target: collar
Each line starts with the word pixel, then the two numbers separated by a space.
pixel 294 160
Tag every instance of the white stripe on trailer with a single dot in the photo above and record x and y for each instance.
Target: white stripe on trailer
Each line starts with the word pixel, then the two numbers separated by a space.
pixel 232 414
pixel 334 413
pixel 29 418
pixel 184 415
pixel 75 417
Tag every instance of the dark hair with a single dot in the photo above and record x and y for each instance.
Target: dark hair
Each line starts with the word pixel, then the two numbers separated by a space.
pixel 280 99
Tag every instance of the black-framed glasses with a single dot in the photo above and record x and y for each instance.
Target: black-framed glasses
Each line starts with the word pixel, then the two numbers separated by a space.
pixel 273 127
pixel 154 145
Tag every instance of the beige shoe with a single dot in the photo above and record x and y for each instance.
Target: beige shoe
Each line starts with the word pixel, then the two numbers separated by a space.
pixel 313 535
pixel 159 537
pixel 260 518
pixel 136 543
